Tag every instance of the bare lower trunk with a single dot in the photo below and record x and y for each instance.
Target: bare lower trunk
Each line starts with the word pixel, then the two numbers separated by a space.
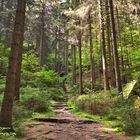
pixel 7 104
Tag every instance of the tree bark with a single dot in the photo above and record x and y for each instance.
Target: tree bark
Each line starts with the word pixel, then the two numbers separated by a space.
pixel 121 47
pixel 66 59
pixel 115 50
pixel 73 64
pixel 16 45
pixel 103 46
pixel 1 9
pixel 80 63
pixel 42 46
pixel 91 53
pixel 18 74
pixel 111 65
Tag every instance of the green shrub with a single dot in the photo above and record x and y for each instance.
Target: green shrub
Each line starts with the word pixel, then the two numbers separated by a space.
pixel 3 60
pixel 2 84
pixel 19 111
pixel 46 79
pixel 28 79
pixel 112 107
pixel 98 87
pixel 131 120
pixel 74 90
pixel 87 86
pixel 29 90
pixel 36 101
pixel 30 61
pixel 94 103
pixel 124 111
pixel 7 136
pixel 2 87
pixel 137 138
pixel 56 93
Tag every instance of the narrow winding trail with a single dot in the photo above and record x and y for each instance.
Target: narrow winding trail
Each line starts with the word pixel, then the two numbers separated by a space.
pixel 67 126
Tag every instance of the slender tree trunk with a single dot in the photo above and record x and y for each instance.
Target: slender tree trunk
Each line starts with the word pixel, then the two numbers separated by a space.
pixel 17 41
pixel 98 50
pixel 8 33
pixel 56 55
pixel 66 59
pixel 59 62
pixel 58 51
pixel 42 50
pixel 115 50
pixel 1 6
pixel 37 43
pixel 111 65
pixel 139 29
pixel 73 64
pixel 121 47
pixel 102 35
pixel 1 10
pixel 80 63
pixel 91 53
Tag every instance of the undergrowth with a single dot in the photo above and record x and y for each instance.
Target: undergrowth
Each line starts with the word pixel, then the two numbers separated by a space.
pixel 113 110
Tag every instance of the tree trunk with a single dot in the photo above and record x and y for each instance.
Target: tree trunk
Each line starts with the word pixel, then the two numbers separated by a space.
pixel 42 50
pixel 8 33
pixel 80 63
pixel 73 65
pixel 115 50
pixel 1 10
pixel 91 53
pixel 66 59
pixel 17 41
pixel 119 39
pixel 18 74
pixel 102 35
pixel 111 71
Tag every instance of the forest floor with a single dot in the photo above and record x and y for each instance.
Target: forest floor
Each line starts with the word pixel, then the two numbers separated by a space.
pixel 67 126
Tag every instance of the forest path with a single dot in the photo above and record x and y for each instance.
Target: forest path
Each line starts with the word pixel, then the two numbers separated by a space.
pixel 67 126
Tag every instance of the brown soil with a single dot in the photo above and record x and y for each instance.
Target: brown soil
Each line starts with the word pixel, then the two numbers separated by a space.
pixel 67 126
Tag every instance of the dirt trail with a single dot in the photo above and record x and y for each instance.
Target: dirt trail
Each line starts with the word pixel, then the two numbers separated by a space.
pixel 67 126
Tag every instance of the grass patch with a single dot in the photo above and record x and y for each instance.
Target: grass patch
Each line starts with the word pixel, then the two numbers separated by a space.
pixel 43 115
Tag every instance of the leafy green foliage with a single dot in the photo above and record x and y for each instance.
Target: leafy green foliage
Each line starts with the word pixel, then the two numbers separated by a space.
pixel 7 136
pixel 47 79
pixel 3 59
pixel 2 84
pixel 135 70
pixel 36 100
pixel 113 108
pixel 20 111
pixel 30 61
pixel 131 120
pixel 94 103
